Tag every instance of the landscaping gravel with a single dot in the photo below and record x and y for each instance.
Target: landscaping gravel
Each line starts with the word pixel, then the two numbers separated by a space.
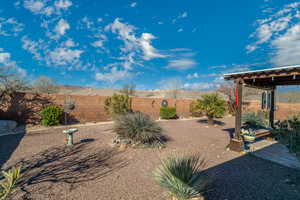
pixel 94 169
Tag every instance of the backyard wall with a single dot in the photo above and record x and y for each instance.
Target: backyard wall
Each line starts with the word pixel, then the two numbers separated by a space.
pixel 283 109
pixel 26 107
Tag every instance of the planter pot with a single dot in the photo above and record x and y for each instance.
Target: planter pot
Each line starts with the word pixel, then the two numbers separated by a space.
pixel 249 138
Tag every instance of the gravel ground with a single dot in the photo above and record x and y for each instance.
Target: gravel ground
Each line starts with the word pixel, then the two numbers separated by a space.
pixel 93 169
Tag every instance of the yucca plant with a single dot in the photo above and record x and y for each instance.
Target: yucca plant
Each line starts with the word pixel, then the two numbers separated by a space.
pixel 8 184
pixel 182 176
pixel 139 128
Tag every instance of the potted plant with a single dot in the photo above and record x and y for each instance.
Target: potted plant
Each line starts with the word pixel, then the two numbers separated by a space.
pixel 248 135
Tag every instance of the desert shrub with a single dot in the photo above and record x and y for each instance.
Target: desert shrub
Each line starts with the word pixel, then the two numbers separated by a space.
pixel 51 115
pixel 138 128
pixel 117 104
pixel 212 105
pixel 8 184
pixel 253 120
pixel 195 110
pixel 182 176
pixel 288 133
pixel 168 113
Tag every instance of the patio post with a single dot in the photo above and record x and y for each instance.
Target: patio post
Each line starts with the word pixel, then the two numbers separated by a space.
pixel 238 116
pixel 236 143
pixel 272 108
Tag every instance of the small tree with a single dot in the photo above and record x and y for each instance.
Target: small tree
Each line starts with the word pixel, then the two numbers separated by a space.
pixel 128 89
pixel 117 104
pixel 45 84
pixel 10 85
pixel 212 105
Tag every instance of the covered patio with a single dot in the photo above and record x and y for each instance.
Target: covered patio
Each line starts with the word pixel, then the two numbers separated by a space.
pixel 265 79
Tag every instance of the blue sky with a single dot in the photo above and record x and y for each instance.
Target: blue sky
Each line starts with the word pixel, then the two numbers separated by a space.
pixel 108 43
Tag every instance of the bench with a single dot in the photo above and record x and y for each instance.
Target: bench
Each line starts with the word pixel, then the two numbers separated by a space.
pixel 260 133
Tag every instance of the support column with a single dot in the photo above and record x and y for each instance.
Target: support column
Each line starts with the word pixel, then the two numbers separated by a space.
pixel 272 108
pixel 236 143
pixel 238 115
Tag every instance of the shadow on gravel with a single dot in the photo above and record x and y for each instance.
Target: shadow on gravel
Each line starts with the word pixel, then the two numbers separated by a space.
pixel 9 143
pixel 216 122
pixel 230 131
pixel 249 177
pixel 67 165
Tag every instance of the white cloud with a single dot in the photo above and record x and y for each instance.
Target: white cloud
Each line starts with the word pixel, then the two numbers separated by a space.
pixel 135 48
pixel 133 4
pixel 183 15
pixel 64 56
pixel 280 32
pixel 35 6
pixel 181 64
pixel 98 43
pixel 33 47
pixel 199 86
pixel 287 47
pixel 10 65
pixel 149 51
pixel 179 30
pixel 4 57
pixel 192 76
pixel 61 27
pixel 113 76
pixel 63 4
pixel 10 27
pixel 46 7
pixel 180 16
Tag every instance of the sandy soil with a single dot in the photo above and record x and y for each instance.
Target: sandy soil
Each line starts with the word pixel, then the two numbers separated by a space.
pixel 93 169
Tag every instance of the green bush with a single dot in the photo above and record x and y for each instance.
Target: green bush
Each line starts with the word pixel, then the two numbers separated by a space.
pixel 287 132
pixel 212 105
pixel 51 115
pixel 168 113
pixel 182 176
pixel 8 184
pixel 195 110
pixel 139 128
pixel 253 120
pixel 117 104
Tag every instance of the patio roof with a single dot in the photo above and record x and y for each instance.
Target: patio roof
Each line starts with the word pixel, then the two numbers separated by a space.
pixel 287 75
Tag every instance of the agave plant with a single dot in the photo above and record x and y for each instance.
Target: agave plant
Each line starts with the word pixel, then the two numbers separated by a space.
pixel 182 176
pixel 138 127
pixel 8 184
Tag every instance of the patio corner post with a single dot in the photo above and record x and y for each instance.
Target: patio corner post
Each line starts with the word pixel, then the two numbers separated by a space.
pixel 238 115
pixel 272 108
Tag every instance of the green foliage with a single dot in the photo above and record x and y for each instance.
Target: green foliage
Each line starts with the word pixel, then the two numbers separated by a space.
pixel 168 113
pixel 8 184
pixel 195 110
pixel 212 105
pixel 182 176
pixel 253 120
pixel 117 104
pixel 288 133
pixel 139 128
pixel 51 115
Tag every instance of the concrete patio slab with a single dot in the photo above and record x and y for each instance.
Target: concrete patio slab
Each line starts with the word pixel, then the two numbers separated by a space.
pixel 275 152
